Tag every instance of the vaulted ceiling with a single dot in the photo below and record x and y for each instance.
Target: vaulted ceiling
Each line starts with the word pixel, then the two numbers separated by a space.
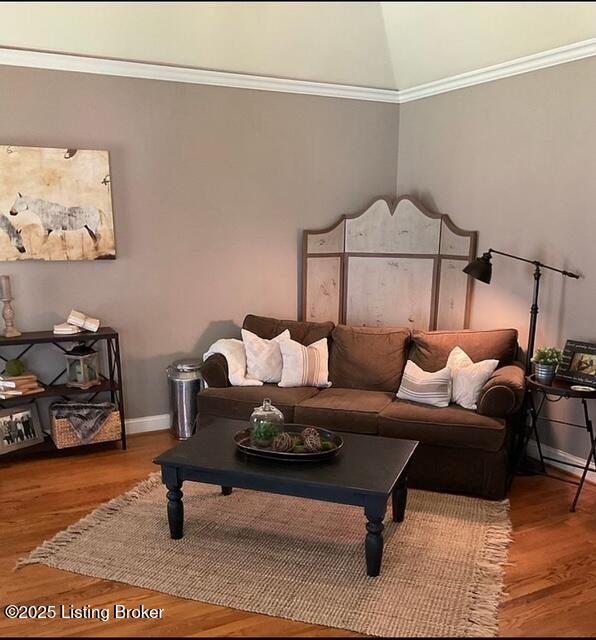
pixel 393 45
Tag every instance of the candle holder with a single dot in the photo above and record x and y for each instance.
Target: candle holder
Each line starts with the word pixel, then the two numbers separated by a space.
pixel 10 331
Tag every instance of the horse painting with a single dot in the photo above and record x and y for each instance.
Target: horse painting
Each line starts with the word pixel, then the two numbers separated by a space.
pixel 14 235
pixel 56 217
pixel 55 204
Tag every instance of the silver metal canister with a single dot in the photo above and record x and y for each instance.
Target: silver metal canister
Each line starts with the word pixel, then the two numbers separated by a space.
pixel 184 382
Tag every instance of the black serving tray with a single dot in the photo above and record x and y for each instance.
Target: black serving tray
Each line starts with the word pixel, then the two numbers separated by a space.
pixel 242 440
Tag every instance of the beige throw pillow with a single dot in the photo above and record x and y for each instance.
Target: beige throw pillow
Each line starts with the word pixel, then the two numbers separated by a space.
pixel 263 357
pixel 305 366
pixel 468 377
pixel 425 387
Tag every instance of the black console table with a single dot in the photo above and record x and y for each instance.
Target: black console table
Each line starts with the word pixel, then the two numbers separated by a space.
pixel 111 383
pixel 553 392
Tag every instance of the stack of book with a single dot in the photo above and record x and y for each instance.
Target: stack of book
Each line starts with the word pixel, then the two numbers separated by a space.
pixel 66 329
pixel 15 386
pixel 76 322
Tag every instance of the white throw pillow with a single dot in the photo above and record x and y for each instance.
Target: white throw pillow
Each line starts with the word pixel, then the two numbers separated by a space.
pixel 305 366
pixel 468 377
pixel 425 387
pixel 263 357
pixel 457 359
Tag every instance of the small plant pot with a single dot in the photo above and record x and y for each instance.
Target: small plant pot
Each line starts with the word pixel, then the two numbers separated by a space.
pixel 545 373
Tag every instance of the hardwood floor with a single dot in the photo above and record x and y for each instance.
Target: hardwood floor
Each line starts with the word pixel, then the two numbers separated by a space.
pixel 551 578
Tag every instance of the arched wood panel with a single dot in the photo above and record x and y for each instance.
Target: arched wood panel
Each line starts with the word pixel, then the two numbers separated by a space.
pixel 394 264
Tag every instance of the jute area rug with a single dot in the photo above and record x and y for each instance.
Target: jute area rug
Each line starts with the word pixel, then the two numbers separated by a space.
pixel 301 559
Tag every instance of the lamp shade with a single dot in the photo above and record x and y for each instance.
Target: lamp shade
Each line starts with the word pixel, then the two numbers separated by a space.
pixel 480 268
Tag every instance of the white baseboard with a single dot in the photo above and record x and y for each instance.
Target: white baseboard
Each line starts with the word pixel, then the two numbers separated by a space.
pixel 551 452
pixel 148 423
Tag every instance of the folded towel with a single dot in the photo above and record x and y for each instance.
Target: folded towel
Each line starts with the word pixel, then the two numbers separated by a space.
pixel 234 352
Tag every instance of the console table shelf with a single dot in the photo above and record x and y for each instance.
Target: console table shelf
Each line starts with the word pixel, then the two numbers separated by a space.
pixel 62 391
pixel 40 337
pixel 112 383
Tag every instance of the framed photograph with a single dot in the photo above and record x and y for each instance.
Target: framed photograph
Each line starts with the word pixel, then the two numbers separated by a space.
pixel 579 362
pixel 19 428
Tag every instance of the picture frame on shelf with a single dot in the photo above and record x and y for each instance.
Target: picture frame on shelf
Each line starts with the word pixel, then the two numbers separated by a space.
pixel 19 428
pixel 579 363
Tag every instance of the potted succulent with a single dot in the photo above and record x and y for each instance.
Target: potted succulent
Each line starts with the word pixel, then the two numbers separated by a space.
pixel 546 360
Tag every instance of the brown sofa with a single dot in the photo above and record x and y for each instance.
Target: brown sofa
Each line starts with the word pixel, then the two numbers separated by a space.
pixel 460 450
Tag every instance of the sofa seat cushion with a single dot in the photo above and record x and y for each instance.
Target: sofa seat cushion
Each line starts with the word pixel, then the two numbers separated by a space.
pixel 239 402
pixel 371 358
pixel 352 410
pixel 451 426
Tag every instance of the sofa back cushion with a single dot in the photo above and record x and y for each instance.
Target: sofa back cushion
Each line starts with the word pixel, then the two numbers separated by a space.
pixel 430 349
pixel 370 358
pixel 303 332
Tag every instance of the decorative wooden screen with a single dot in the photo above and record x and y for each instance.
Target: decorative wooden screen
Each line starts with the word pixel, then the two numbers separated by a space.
pixel 395 265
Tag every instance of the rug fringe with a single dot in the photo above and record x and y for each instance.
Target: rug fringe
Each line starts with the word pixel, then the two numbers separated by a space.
pixel 105 511
pixel 487 589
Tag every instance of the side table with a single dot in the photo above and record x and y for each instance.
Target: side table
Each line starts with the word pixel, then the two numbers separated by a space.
pixel 553 392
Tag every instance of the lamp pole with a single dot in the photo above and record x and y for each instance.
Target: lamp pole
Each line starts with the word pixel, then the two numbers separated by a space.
pixel 533 320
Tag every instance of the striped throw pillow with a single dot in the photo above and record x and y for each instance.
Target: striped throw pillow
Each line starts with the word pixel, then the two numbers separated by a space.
pixel 425 387
pixel 305 366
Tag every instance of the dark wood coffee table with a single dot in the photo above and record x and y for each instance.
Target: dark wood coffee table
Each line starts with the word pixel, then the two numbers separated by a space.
pixel 366 472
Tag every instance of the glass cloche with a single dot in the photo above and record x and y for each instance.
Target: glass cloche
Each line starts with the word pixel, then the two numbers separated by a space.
pixel 266 422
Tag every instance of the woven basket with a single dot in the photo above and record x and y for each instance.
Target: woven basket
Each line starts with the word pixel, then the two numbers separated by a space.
pixel 64 435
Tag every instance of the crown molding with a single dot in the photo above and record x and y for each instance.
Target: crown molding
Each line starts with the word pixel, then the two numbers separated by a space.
pixel 188 75
pixel 550 58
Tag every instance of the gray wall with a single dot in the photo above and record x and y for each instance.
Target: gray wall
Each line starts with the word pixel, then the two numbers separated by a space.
pixel 516 159
pixel 211 188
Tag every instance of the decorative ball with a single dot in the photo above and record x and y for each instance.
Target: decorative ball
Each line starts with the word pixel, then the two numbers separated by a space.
pixel 310 431
pixel 283 442
pixel 312 443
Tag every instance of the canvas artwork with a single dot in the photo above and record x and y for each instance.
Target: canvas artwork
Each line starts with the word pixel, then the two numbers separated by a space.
pixel 55 204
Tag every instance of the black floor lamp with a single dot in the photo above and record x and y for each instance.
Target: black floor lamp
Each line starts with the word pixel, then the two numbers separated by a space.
pixel 482 269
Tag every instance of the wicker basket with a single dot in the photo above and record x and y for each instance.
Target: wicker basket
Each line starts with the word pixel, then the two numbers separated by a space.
pixel 64 435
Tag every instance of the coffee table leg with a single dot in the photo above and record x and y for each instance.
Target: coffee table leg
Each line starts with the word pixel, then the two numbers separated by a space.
pixel 175 511
pixel 399 498
pixel 373 545
pixel 226 491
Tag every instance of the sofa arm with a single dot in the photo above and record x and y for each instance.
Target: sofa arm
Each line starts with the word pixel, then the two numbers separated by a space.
pixel 215 371
pixel 504 392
